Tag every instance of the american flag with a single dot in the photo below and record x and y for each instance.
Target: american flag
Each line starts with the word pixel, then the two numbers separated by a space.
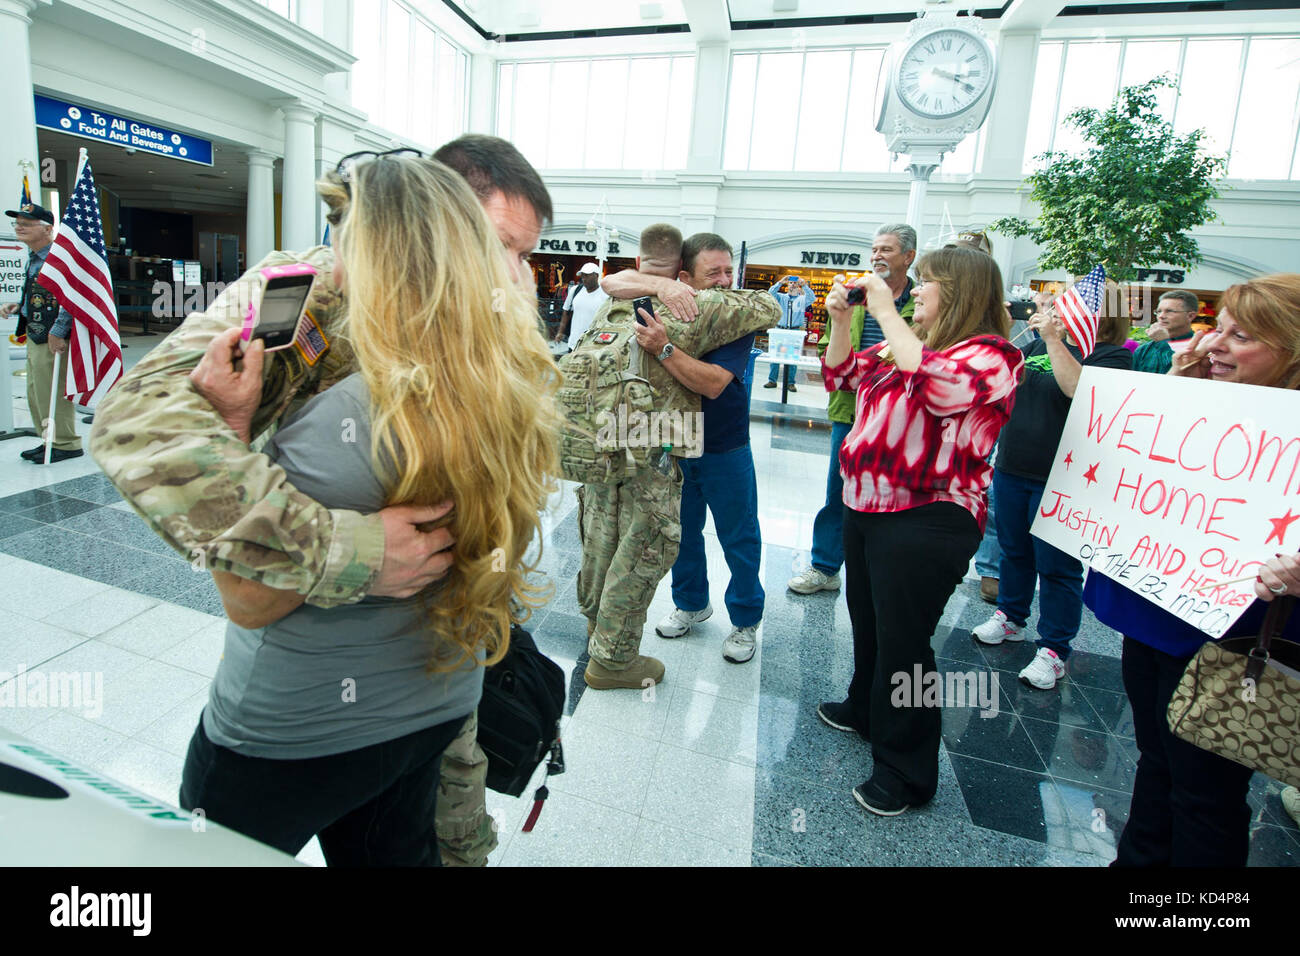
pixel 1080 308
pixel 76 270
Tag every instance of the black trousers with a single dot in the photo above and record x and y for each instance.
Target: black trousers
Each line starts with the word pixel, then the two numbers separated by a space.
pixel 901 567
pixel 1189 805
pixel 370 807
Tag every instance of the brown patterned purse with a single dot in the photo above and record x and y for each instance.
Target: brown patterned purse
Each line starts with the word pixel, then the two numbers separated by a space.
pixel 1240 698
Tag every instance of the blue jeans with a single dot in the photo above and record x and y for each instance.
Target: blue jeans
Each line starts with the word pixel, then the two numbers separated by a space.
pixel 789 373
pixel 725 483
pixel 828 526
pixel 1026 559
pixel 989 556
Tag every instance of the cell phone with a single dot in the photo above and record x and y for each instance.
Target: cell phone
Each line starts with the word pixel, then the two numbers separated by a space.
pixel 274 317
pixel 857 295
pixel 639 304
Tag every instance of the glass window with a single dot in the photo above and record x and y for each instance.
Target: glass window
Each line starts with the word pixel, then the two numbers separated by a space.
pixel 530 121
pixel 740 111
pixel 367 72
pixel 568 93
pixel 821 111
pixel 1207 93
pixel 776 114
pixel 1042 103
pixel 397 55
pixel 505 101
pixel 647 88
pixel 1147 59
pixel 286 8
pixel 609 79
pixel 864 149
pixel 681 89
pixel 1265 133
pixel 1091 71
pixel 450 95
pixel 422 86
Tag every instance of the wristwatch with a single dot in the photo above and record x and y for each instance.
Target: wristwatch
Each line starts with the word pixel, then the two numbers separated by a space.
pixel 669 349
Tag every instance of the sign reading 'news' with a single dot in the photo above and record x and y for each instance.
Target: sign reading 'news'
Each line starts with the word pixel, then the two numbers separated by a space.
pixel 120 131
pixel 1176 488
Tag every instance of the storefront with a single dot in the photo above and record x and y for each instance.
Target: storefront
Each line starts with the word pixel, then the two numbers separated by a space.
pixel 816 263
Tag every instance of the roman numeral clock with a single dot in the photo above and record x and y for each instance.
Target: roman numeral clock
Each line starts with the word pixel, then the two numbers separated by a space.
pixel 935 90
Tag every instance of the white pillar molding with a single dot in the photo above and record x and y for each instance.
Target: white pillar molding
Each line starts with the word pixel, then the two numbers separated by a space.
pixel 17 145
pixel 261 205
pixel 298 182
pixel 699 201
pixel 1007 126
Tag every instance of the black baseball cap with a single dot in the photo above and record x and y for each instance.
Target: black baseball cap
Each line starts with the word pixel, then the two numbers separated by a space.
pixel 30 210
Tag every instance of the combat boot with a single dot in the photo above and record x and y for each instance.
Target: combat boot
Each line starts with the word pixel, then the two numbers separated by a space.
pixel 635 676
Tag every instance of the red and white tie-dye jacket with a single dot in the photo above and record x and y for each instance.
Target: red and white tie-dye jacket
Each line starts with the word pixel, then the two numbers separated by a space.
pixel 924 436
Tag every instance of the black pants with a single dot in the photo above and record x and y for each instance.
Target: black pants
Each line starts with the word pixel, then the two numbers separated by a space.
pixel 1189 805
pixel 901 568
pixel 370 807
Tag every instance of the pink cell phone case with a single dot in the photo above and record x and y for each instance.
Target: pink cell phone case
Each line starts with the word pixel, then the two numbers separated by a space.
pixel 272 272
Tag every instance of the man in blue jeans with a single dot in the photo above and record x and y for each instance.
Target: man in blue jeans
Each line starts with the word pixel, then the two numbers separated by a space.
pixel 794 295
pixel 722 479
pixel 892 253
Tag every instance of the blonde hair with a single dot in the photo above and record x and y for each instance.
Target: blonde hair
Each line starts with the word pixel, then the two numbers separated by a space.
pixel 461 385
pixel 1268 308
pixel 970 302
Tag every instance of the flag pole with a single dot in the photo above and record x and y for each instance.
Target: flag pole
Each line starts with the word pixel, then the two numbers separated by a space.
pixel 54 389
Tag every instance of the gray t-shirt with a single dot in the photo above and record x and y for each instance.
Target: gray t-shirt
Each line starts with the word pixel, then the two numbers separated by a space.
pixel 321 682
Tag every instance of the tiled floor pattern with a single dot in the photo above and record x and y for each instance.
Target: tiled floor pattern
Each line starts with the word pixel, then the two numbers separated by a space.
pixel 723 765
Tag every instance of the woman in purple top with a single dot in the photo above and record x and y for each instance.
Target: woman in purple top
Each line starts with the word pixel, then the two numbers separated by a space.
pixel 1189 805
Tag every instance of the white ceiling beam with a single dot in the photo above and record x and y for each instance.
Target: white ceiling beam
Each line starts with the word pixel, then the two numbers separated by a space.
pixel 709 19
pixel 1024 16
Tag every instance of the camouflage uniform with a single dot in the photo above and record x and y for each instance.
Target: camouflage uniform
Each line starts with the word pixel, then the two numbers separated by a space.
pixel 228 508
pixel 631 529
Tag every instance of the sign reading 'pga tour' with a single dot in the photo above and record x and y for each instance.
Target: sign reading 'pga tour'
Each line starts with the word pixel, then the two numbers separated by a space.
pixel 1177 488
pixel 119 130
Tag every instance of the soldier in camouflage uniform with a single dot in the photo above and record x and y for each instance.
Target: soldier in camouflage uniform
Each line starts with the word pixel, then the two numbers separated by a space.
pixel 168 449
pixel 630 529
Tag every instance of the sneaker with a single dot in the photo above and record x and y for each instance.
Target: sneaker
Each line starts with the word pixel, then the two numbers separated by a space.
pixel 839 716
pixel 739 645
pixel 680 622
pixel 998 629
pixel 769 384
pixel 1291 803
pixel 878 800
pixel 989 589
pixel 634 676
pixel 1044 670
pixel 811 581
pixel 56 455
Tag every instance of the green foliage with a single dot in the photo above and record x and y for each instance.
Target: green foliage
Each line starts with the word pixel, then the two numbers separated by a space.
pixel 1131 197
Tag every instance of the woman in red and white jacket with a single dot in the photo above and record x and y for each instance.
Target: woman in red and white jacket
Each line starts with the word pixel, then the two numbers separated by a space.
pixel 931 400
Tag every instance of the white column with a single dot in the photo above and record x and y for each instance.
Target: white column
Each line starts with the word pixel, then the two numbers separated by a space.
pixel 709 107
pixel 298 183
pixel 17 145
pixel 261 206
pixel 1007 126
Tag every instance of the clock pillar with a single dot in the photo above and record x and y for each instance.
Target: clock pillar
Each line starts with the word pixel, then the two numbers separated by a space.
pixel 921 164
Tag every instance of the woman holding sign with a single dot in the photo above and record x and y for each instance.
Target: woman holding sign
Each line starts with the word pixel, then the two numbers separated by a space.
pixel 1189 805
pixel 931 400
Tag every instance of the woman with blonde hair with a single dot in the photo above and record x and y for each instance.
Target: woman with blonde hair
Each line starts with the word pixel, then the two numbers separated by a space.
pixel 332 722
pixel 931 400
pixel 1189 805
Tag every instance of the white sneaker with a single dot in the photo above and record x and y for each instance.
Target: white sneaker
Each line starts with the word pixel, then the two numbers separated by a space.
pixel 1044 670
pixel 680 622
pixel 739 645
pixel 998 629
pixel 811 581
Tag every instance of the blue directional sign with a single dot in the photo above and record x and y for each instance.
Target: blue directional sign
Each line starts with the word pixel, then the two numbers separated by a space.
pixel 120 131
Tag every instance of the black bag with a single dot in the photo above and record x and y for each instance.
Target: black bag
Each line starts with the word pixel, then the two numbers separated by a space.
pixel 519 715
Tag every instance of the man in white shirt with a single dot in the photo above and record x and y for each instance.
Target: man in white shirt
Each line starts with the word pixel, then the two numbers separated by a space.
pixel 580 308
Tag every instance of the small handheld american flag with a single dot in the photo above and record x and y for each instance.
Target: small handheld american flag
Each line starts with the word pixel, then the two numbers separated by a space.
pixel 1080 309
pixel 76 271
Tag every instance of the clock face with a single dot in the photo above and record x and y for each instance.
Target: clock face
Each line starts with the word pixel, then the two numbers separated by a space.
pixel 944 73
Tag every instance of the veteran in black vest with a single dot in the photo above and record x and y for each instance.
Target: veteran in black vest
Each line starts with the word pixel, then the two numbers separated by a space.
pixel 46 325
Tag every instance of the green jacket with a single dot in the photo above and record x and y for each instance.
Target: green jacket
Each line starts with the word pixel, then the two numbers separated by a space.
pixel 840 406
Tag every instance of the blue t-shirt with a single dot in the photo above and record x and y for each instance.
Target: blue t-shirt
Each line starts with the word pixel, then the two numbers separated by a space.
pixel 726 418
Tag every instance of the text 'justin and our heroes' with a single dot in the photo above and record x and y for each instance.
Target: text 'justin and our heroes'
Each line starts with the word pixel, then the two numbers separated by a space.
pixel 1178 500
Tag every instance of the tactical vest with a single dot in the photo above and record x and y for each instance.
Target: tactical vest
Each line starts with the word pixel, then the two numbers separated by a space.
pixel 616 419
pixel 39 311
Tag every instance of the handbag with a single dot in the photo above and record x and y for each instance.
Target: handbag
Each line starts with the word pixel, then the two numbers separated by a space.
pixel 519 715
pixel 1240 698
